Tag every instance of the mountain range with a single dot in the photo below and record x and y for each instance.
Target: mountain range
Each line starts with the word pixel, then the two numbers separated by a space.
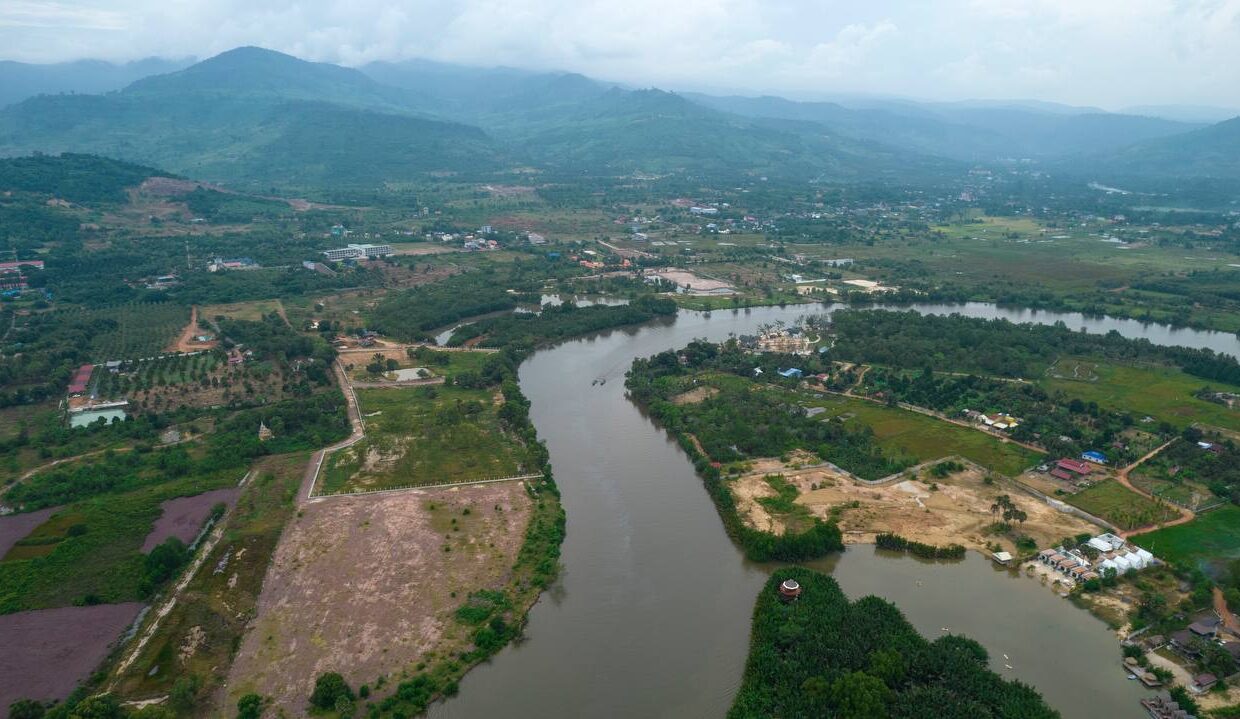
pixel 258 117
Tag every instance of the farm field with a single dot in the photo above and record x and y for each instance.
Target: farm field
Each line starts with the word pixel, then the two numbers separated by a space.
pixel 437 363
pixel 252 311
pixel 89 551
pixel 1121 506
pixel 200 633
pixel 47 652
pixel 1160 392
pixel 403 563
pixel 138 329
pixel 424 435
pixel 924 438
pixel 1209 541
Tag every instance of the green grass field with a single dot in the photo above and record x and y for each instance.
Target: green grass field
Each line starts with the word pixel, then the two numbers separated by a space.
pixel 425 435
pixel 1160 392
pixel 1121 506
pixel 1210 539
pixel 925 438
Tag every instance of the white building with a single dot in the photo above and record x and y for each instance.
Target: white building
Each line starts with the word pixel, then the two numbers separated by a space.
pixel 352 252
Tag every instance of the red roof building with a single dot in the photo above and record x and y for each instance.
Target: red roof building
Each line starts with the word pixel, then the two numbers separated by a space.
pixel 1073 465
pixel 81 379
pixel 37 264
pixel 1065 475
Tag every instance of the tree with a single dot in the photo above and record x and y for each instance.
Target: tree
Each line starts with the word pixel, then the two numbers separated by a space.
pixel 250 706
pixel 26 709
pixel 184 692
pixel 104 706
pixel 858 695
pixel 328 689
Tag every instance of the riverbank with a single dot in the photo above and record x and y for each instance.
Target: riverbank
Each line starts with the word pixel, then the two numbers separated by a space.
pixel 646 540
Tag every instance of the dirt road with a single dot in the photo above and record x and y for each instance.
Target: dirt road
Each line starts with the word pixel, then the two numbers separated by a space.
pixel 359 431
pixel 1186 515
pixel 185 342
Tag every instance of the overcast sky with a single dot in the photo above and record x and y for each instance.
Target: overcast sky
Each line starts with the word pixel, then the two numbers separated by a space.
pixel 1108 53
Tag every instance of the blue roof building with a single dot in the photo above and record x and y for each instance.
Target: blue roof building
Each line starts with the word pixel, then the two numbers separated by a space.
pixel 791 372
pixel 1093 456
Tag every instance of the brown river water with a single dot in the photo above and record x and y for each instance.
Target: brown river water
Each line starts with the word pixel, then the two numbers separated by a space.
pixel 650 617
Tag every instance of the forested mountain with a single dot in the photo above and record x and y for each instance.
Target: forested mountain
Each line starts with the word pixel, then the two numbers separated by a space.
pixel 253 116
pixel 19 80
pixel 261 118
pixel 1211 152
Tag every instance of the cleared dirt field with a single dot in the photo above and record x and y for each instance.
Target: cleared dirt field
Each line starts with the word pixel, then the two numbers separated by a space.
pixel 958 511
pixel 14 527
pixel 183 516
pixel 186 342
pixel 367 586
pixel 46 652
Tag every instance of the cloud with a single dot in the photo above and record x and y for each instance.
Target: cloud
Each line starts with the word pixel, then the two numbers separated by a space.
pixel 1096 52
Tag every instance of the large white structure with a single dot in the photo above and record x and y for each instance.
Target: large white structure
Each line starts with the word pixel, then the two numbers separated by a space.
pixel 353 252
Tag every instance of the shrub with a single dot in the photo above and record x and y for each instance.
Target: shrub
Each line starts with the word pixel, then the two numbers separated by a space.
pixel 328 689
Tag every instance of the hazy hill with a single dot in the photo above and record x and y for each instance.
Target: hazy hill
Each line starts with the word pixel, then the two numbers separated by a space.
pixel 19 80
pixel 974 132
pixel 474 94
pixel 656 131
pixel 252 72
pixel 252 115
pixel 1211 152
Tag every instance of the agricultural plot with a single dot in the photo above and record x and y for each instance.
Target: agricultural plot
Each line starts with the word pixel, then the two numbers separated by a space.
pixel 923 438
pixel 199 635
pixel 47 652
pixel 203 380
pixel 135 330
pixel 1074 369
pixel 252 311
pixel 424 436
pixel 90 550
pixel 1209 541
pixel 1160 392
pixel 1121 506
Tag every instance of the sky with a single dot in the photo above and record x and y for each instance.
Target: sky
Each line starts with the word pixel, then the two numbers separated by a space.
pixel 1103 53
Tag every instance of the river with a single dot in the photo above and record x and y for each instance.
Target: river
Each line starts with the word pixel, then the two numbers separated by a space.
pixel 651 614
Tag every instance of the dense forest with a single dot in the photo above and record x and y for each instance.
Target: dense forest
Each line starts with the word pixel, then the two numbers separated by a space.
pixel 824 656
pixel 85 179
pixel 741 421
pixel 560 322
pixel 999 347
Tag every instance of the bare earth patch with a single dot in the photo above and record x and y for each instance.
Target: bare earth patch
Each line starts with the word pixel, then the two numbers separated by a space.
pixel 695 395
pixel 958 511
pixel 183 516
pixel 15 527
pixel 364 586
pixel 45 653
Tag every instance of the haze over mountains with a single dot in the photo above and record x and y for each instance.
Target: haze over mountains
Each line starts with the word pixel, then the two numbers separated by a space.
pixel 260 117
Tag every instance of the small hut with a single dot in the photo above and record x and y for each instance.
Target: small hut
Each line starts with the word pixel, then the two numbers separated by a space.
pixel 789 590
pixel 264 432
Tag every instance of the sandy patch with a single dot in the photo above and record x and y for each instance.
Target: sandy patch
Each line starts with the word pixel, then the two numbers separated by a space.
pixel 364 586
pixel 695 395
pixel 956 510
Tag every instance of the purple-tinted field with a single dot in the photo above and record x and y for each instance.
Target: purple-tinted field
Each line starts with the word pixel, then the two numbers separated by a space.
pixel 183 516
pixel 46 652
pixel 14 527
